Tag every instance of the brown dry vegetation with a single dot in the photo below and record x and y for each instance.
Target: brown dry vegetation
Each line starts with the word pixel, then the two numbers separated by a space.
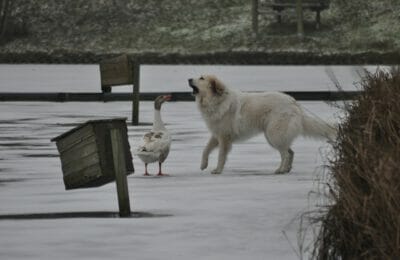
pixel 364 219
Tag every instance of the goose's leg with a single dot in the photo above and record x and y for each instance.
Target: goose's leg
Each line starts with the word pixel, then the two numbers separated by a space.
pixel 146 173
pixel 159 170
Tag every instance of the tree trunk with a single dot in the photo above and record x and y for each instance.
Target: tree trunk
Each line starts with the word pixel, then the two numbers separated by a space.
pixel 300 26
pixel 1 13
pixel 6 4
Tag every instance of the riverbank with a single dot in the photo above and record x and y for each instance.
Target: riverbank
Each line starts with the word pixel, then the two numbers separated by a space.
pixel 228 57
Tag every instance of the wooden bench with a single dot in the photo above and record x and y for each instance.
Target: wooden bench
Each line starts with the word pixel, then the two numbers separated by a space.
pixel 263 6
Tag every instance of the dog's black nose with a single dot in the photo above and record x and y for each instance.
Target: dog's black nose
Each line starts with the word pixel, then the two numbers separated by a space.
pixel 190 81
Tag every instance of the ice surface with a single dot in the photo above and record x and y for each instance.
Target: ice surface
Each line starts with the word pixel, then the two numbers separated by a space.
pixel 245 213
pixel 240 214
pixel 86 78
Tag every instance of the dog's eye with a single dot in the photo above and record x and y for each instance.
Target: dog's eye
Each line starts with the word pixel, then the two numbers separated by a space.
pixel 201 78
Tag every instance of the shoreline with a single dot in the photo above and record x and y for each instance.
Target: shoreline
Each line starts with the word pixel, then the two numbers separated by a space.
pixel 234 57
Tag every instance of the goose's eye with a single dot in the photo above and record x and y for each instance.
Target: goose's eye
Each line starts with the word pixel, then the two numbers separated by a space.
pixel 201 78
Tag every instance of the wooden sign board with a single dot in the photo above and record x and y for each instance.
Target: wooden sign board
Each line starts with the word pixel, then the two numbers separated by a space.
pixel 86 153
pixel 116 71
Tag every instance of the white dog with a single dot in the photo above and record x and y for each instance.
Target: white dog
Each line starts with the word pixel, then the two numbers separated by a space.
pixel 233 116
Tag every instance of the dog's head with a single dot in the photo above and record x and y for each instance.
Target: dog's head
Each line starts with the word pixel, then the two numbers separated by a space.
pixel 207 87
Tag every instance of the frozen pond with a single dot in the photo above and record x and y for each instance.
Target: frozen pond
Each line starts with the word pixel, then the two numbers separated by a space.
pixel 245 213
pixel 240 214
pixel 86 78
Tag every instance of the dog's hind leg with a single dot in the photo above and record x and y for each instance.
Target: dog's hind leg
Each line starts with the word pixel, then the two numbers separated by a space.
pixel 291 157
pixel 280 134
pixel 211 145
pixel 286 161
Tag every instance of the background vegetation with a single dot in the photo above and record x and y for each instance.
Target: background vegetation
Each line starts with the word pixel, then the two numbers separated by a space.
pixel 132 26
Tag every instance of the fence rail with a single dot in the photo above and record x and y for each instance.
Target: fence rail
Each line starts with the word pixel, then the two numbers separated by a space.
pixel 150 96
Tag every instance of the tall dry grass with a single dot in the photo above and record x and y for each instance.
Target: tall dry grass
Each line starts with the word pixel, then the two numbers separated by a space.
pixel 363 222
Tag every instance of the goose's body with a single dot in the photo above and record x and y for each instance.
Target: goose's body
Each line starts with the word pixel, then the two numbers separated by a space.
pixel 157 142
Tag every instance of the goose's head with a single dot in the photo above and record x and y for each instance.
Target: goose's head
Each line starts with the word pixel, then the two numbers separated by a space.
pixel 160 100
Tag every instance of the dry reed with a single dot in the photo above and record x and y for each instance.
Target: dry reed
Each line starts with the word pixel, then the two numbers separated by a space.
pixel 363 220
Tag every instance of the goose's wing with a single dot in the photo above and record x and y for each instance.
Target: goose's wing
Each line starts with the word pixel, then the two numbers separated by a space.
pixel 147 151
pixel 164 148
pixel 154 144
pixel 163 140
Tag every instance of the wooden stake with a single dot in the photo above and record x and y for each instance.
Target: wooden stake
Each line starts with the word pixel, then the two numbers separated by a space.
pixel 300 27
pixel 120 173
pixel 136 91
pixel 254 12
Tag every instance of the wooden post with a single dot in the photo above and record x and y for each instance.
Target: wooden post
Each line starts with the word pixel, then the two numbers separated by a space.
pixel 4 14
pixel 136 92
pixel 299 10
pixel 279 17
pixel 254 12
pixel 318 19
pixel 120 173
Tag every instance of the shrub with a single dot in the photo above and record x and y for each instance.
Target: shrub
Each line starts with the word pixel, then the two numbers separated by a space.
pixel 363 222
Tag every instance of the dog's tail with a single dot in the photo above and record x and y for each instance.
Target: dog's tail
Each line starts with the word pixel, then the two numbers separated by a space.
pixel 317 128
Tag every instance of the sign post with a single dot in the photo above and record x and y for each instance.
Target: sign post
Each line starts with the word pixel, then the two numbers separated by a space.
pixel 96 153
pixel 120 173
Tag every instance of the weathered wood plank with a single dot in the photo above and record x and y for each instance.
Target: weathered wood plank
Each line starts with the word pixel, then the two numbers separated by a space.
pixel 75 155
pixel 86 153
pixel 75 138
pixel 118 151
pixel 116 71
pixel 78 144
pixel 84 177
pixel 136 94
pixel 83 163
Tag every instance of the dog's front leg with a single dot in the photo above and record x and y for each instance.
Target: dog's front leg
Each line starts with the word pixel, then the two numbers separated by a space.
pixel 224 148
pixel 211 145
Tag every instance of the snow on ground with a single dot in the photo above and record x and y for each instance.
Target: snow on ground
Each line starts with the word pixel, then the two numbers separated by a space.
pixel 86 78
pixel 242 214
pixel 245 213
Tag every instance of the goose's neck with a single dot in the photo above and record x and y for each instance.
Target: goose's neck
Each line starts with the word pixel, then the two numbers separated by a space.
pixel 158 124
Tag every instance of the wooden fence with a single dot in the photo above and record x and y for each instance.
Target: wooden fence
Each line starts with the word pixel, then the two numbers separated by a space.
pixel 150 96
pixel 130 64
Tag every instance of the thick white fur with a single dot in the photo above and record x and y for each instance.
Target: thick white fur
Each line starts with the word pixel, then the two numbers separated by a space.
pixel 233 116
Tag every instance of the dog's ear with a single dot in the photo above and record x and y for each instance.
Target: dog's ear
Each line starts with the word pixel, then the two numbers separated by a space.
pixel 217 86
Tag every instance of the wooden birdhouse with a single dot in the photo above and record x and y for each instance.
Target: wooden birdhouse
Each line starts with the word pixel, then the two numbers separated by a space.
pixel 86 153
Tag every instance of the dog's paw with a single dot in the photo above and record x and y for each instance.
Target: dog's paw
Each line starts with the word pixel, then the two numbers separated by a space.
pixel 216 171
pixel 282 171
pixel 204 165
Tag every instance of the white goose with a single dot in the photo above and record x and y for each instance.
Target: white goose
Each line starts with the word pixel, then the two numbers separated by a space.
pixel 157 142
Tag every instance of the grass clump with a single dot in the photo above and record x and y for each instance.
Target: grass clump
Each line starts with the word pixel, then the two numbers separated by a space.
pixel 363 222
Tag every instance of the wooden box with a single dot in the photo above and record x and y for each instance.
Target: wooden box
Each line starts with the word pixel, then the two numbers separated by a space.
pixel 86 153
pixel 116 71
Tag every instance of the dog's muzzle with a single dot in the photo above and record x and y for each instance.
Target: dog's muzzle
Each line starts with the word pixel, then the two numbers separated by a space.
pixel 195 89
